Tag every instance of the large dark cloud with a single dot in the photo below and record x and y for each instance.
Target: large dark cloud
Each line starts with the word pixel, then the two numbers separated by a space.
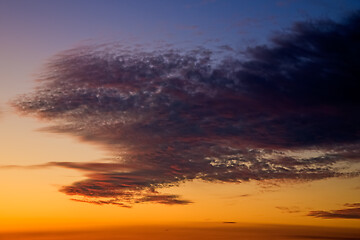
pixel 351 212
pixel 288 110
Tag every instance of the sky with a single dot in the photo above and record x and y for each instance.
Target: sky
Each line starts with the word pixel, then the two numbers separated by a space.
pixel 180 115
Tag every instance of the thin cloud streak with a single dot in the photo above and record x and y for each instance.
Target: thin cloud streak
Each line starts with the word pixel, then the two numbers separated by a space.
pixel 351 212
pixel 170 116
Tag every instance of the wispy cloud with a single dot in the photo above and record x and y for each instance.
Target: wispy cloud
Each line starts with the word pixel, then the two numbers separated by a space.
pixel 351 212
pixel 170 116
pixel 352 204
pixel 289 209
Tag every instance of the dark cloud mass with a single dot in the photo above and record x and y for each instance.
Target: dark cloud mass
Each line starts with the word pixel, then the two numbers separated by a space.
pixel 351 212
pixel 288 110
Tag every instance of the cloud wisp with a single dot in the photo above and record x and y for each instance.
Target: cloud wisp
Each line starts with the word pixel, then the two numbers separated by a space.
pixel 352 211
pixel 170 116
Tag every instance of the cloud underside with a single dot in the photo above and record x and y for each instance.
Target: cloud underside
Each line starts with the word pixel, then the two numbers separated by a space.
pixel 286 111
pixel 351 212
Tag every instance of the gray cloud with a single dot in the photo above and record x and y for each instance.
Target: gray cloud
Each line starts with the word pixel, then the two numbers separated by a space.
pixel 289 209
pixel 351 212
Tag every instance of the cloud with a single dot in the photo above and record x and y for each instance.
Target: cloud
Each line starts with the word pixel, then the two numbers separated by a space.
pixel 289 209
pixel 102 202
pixel 164 199
pixel 243 195
pixel 352 204
pixel 351 212
pixel 288 111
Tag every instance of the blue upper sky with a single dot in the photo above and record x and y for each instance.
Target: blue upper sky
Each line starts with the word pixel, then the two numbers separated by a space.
pixel 33 31
pixel 64 23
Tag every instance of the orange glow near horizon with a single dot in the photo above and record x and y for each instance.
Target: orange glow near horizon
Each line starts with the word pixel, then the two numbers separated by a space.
pixel 33 203
pixel 209 231
pixel 26 205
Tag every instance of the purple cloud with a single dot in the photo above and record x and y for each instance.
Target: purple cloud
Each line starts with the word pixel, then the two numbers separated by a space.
pixel 170 116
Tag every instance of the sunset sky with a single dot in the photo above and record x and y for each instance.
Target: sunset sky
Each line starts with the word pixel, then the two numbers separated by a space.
pixel 202 114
